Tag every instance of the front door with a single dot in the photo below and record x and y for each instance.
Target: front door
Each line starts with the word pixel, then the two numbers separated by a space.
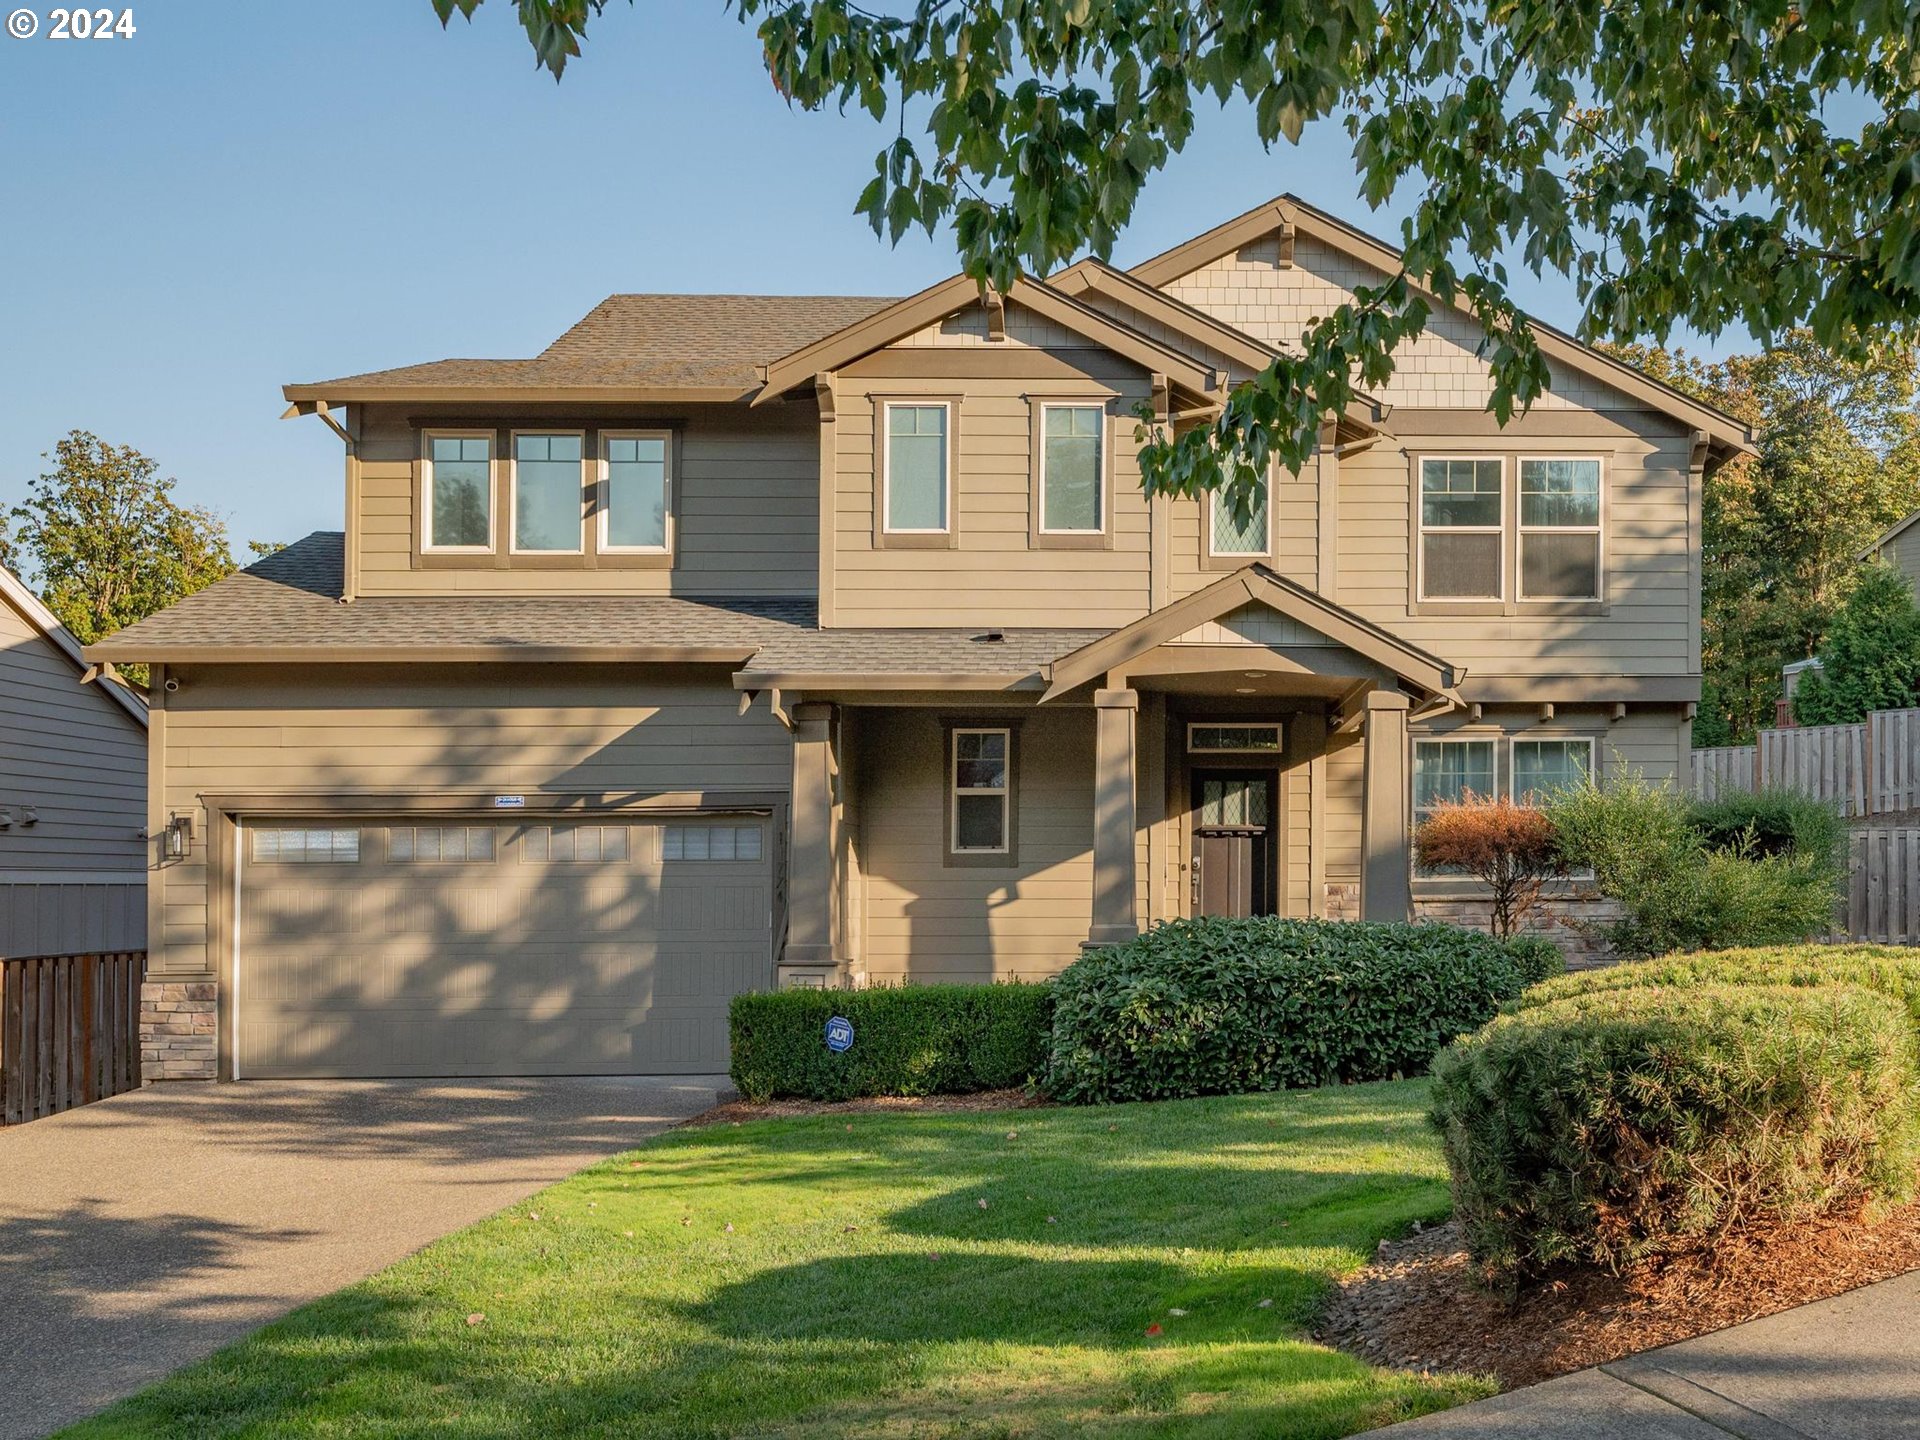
pixel 1233 824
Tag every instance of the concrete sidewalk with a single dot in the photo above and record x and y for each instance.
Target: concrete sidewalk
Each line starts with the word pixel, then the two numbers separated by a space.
pixel 144 1232
pixel 1840 1369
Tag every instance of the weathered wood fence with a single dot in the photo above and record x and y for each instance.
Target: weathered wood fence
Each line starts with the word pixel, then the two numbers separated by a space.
pixel 69 1031
pixel 1872 768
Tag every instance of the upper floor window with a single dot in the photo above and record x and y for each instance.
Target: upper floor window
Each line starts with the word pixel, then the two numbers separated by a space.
pixel 547 493
pixel 459 492
pixel 1560 529
pixel 1231 534
pixel 1072 469
pixel 1462 529
pixel 918 495
pixel 634 512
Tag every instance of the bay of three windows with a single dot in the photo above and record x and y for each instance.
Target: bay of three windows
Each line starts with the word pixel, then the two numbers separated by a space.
pixel 1470 523
pixel 550 484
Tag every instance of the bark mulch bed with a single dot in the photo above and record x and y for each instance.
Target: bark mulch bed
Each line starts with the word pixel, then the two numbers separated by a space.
pixel 735 1112
pixel 1418 1305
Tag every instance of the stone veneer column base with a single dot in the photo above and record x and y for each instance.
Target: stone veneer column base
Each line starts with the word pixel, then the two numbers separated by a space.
pixel 177 1040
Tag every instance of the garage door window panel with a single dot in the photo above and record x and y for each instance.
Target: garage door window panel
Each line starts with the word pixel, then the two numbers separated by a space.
pixel 709 842
pixel 278 845
pixel 442 844
pixel 575 844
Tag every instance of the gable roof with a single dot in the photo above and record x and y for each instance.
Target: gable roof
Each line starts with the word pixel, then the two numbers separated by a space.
pixel 949 297
pixel 1730 436
pixel 1891 534
pixel 1420 668
pixel 626 347
pixel 29 607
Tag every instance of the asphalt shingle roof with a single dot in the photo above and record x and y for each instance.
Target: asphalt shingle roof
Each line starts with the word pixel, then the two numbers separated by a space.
pixel 915 652
pixel 654 341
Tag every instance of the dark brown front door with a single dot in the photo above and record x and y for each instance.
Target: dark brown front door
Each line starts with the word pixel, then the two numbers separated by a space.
pixel 1233 823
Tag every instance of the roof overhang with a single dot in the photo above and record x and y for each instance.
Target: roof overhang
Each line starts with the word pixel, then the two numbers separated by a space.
pixel 1893 533
pixel 354 393
pixel 812 681
pixel 1290 215
pixel 1422 671
pixel 35 613
pixel 165 653
pixel 1199 381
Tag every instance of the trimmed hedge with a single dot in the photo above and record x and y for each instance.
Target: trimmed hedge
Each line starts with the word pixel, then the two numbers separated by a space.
pixel 1609 1126
pixel 1539 958
pixel 1221 1006
pixel 1891 970
pixel 908 1040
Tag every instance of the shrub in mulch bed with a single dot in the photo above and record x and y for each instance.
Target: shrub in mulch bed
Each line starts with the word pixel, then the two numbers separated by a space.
pixel 1605 1128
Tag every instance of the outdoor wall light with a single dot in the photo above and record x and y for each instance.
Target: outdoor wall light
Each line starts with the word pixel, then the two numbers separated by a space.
pixel 178 837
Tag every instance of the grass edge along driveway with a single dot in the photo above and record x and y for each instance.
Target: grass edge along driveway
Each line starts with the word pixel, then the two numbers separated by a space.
pixel 878 1275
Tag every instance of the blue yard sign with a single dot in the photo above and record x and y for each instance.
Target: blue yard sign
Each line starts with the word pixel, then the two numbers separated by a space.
pixel 839 1034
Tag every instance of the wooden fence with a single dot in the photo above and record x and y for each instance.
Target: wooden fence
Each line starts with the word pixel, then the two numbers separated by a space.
pixel 1883 885
pixel 1722 770
pixel 1868 769
pixel 69 1031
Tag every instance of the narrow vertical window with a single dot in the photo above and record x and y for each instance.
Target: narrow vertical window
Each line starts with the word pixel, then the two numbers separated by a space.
pixel 636 505
pixel 1072 470
pixel 459 493
pixel 1450 770
pixel 1230 533
pixel 547 493
pixel 917 497
pixel 1559 529
pixel 1461 529
pixel 980 776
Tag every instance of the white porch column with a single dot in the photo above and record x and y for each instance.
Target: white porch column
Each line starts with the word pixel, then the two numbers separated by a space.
pixel 808 957
pixel 1114 915
pixel 1386 842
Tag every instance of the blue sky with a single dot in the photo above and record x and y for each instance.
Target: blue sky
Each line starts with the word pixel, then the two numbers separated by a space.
pixel 245 195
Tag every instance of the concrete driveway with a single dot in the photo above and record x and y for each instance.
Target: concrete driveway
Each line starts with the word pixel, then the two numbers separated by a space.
pixel 147 1231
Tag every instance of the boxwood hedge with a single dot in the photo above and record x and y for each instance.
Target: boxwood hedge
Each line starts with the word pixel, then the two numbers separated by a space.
pixel 1608 1126
pixel 907 1040
pixel 1221 1006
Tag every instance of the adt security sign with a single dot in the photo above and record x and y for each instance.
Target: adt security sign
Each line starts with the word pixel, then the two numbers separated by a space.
pixel 839 1034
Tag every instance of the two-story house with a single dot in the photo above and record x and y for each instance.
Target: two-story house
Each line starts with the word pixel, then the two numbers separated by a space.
pixel 740 640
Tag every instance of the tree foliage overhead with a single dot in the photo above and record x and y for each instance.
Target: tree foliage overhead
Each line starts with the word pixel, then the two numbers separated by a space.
pixel 1701 162
pixel 106 542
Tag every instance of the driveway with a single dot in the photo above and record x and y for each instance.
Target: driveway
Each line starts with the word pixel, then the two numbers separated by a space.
pixel 147 1231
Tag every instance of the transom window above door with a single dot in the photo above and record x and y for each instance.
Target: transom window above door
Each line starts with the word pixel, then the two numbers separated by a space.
pixel 918 490
pixel 548 493
pixel 1232 738
pixel 1073 498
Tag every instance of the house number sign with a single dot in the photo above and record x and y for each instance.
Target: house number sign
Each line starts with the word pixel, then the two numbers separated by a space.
pixel 839 1034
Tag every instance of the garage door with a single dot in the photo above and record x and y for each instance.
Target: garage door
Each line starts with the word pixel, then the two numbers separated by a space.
pixel 394 947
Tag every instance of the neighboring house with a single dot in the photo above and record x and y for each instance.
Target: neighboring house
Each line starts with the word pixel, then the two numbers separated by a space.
pixel 740 640
pixel 73 793
pixel 1900 548
pixel 1790 674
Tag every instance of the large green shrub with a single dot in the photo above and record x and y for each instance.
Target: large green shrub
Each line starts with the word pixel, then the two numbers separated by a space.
pixel 1771 822
pixel 908 1040
pixel 1614 1125
pixel 1220 1006
pixel 1871 657
pixel 1680 893
pixel 1891 970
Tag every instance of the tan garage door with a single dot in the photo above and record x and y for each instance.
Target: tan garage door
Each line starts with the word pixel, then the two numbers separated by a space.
pixel 524 947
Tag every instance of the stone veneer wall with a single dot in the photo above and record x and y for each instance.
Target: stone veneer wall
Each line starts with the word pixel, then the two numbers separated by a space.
pixel 1566 920
pixel 177 1039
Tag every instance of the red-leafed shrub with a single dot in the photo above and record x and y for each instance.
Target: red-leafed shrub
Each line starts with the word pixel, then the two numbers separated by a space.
pixel 1510 848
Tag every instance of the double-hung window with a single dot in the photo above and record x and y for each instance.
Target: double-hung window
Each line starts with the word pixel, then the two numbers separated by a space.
pixel 1230 533
pixel 1073 491
pixel 547 493
pixel 918 498
pixel 1462 529
pixel 1540 767
pixel 981 777
pixel 457 482
pixel 1451 770
pixel 636 492
pixel 1560 529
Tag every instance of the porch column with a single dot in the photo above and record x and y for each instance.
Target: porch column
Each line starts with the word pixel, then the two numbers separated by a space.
pixel 1114 916
pixel 1386 842
pixel 809 949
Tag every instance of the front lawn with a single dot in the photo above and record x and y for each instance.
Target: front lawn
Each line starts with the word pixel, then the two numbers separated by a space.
pixel 984 1274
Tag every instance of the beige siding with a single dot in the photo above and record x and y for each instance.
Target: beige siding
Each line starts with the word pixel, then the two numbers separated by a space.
pixel 75 879
pixel 746 507
pixel 994 575
pixel 622 734
pixel 927 920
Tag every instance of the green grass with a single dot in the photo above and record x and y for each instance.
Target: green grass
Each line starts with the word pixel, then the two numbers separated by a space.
pixel 862 1290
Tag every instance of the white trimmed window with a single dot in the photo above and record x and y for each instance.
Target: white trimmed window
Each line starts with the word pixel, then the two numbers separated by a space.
pixel 547 477
pixel 1073 491
pixel 1541 767
pixel 1451 770
pixel 1462 529
pixel 1230 534
pixel 980 779
pixel 637 485
pixel 457 486
pixel 918 498
pixel 1560 503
